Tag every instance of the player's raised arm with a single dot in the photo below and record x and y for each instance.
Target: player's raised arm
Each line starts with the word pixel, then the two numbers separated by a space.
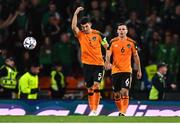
pixel 74 20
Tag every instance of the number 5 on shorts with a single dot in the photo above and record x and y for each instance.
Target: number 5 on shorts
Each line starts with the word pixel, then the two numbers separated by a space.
pixel 99 76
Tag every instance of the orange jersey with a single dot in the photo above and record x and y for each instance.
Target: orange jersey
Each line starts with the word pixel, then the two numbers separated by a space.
pixel 122 51
pixel 90 48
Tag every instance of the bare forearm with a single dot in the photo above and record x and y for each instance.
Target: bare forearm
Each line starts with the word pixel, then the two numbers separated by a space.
pixel 137 61
pixel 108 56
pixel 74 21
pixel 13 18
pixel 106 46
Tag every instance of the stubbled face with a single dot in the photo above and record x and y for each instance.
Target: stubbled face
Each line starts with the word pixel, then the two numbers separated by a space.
pixel 10 62
pixel 52 7
pixel 35 70
pixel 58 68
pixel 122 31
pixel 86 28
pixel 163 70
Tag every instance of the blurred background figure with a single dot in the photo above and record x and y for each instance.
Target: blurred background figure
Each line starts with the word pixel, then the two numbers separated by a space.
pixel 57 82
pixel 8 79
pixel 158 88
pixel 63 51
pixel 45 56
pixel 28 82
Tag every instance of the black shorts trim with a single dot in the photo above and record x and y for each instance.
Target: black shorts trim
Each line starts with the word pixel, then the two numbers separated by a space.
pixel 121 80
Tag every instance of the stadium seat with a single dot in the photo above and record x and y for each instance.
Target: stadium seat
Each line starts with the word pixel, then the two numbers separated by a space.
pixel 44 85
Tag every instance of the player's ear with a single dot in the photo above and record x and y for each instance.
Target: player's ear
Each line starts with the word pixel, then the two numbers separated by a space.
pixel 90 24
pixel 126 31
pixel 117 31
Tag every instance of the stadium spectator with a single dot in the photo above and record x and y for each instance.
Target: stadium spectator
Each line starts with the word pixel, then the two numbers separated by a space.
pixel 135 22
pixel 57 82
pixel 63 51
pixel 28 82
pixel 154 44
pixel 45 56
pixel 52 28
pixel 46 17
pixel 167 52
pixel 158 83
pixel 3 53
pixel 8 79
pixel 22 19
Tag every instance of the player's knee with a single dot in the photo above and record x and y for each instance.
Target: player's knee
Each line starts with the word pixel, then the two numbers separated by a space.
pixel 117 96
pixel 124 92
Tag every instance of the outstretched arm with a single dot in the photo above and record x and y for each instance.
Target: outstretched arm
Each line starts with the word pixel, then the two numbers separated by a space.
pixel 74 20
pixel 11 18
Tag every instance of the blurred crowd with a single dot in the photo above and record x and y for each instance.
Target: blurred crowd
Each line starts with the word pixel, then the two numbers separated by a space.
pixel 153 24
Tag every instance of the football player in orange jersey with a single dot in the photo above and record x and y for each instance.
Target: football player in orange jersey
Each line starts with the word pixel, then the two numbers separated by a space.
pixel 122 49
pixel 91 56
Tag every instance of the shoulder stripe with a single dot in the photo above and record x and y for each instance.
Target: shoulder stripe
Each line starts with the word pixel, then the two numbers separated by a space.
pixel 134 42
pixel 114 39
pixel 131 40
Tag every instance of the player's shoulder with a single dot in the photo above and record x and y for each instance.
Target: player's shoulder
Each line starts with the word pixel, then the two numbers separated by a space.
pixel 97 32
pixel 131 40
pixel 115 39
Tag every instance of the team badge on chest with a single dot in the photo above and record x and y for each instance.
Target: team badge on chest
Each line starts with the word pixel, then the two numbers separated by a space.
pixel 94 38
pixel 128 46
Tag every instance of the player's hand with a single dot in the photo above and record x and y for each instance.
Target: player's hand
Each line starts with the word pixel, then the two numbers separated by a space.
pixel 173 86
pixel 78 10
pixel 107 65
pixel 139 74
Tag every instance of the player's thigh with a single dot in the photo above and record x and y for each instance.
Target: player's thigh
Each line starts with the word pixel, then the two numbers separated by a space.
pixel 88 75
pixel 98 74
pixel 126 79
pixel 116 81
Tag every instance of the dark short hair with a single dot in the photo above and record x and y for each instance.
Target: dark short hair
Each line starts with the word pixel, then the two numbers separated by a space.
pixel 84 20
pixel 34 63
pixel 162 64
pixel 57 63
pixel 10 58
pixel 120 24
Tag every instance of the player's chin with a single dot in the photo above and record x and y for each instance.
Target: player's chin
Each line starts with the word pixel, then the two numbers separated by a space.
pixel 86 31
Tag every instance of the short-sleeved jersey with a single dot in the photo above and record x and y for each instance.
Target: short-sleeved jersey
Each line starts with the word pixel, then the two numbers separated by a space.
pixel 90 47
pixel 122 51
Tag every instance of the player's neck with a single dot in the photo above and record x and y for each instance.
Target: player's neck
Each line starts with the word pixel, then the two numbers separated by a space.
pixel 123 38
pixel 88 32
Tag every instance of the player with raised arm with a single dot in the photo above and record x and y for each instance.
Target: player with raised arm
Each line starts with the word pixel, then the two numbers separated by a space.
pixel 122 49
pixel 91 56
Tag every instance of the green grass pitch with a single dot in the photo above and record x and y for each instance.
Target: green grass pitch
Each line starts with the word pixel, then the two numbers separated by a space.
pixel 78 118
